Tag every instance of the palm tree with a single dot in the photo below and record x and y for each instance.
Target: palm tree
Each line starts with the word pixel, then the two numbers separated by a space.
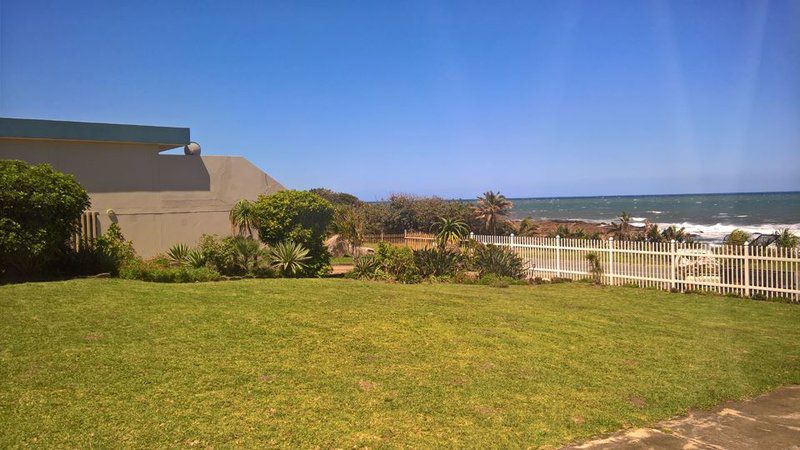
pixel 450 230
pixel 673 233
pixel 493 208
pixel 526 227
pixel 243 216
pixel 622 229
pixel 350 223
pixel 786 239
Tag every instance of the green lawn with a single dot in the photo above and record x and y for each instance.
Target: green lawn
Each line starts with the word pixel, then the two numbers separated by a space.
pixel 342 363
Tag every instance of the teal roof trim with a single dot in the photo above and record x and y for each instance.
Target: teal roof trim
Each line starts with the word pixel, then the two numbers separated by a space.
pixel 164 137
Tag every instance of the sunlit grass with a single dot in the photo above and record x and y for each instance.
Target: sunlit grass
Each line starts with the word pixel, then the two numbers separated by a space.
pixel 341 363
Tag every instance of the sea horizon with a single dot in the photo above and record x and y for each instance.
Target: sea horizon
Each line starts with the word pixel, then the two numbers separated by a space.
pixel 708 216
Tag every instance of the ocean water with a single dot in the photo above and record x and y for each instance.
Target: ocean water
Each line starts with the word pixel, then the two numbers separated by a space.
pixel 709 216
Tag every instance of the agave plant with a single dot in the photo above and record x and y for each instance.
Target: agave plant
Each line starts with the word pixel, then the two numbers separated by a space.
pixel 195 258
pixel 500 261
pixel 288 258
pixel 450 231
pixel 365 266
pixel 243 217
pixel 437 261
pixel 178 253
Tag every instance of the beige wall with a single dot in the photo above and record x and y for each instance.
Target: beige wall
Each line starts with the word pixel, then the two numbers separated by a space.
pixel 158 200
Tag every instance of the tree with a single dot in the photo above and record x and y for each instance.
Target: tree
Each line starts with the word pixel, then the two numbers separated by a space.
pixel 492 208
pixel 622 229
pixel 39 212
pixel 350 223
pixel 243 217
pixel 673 233
pixel 737 237
pixel 786 239
pixel 300 217
pixel 337 198
pixel 450 231
pixel 526 227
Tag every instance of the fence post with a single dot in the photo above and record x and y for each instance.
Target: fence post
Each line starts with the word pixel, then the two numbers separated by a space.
pixel 611 280
pixel 511 241
pixel 405 237
pixel 672 268
pixel 747 269
pixel 381 235
pixel 558 256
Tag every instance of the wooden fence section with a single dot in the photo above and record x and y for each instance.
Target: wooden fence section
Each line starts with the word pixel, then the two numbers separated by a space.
pixel 89 230
pixel 744 270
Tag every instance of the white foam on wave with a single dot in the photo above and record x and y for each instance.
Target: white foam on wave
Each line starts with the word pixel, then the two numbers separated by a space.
pixel 655 212
pixel 718 231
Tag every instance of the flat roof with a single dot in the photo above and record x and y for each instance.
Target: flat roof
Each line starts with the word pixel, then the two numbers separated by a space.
pixel 164 137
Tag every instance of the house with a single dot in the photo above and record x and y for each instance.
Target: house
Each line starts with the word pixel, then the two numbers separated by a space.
pixel 157 199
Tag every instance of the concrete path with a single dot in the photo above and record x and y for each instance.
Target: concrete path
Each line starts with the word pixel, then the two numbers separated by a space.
pixel 771 421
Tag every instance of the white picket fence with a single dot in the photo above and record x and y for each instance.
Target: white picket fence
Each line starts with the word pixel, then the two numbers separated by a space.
pixel 742 270
pixel 750 271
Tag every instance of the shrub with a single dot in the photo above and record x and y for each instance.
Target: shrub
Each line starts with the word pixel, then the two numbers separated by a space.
pixel 300 217
pixel 437 262
pixel 39 212
pixel 398 263
pixel 178 254
pixel 365 266
pixel 152 271
pixel 501 261
pixel 595 267
pixel 737 237
pixel 289 258
pixel 232 256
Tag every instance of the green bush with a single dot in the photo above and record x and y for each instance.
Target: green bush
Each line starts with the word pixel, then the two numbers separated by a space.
pixel 155 272
pixel 39 212
pixel 437 262
pixel 231 256
pixel 500 261
pixel 365 266
pixel 300 217
pixel 105 255
pixel 398 263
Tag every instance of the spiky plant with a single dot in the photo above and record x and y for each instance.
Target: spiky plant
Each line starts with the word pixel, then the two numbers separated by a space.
pixel 493 208
pixel 595 267
pixel 178 253
pixel 243 217
pixel 246 252
pixel 450 231
pixel 365 266
pixel 195 258
pixel 288 258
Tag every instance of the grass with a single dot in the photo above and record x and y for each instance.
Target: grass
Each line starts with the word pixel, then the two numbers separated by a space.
pixel 342 363
pixel 345 260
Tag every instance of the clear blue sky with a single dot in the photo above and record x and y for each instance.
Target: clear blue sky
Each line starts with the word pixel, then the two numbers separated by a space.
pixel 450 98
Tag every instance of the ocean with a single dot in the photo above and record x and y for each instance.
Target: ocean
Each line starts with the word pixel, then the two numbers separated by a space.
pixel 709 216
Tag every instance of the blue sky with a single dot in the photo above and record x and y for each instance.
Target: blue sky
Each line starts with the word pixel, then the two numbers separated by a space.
pixel 451 98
